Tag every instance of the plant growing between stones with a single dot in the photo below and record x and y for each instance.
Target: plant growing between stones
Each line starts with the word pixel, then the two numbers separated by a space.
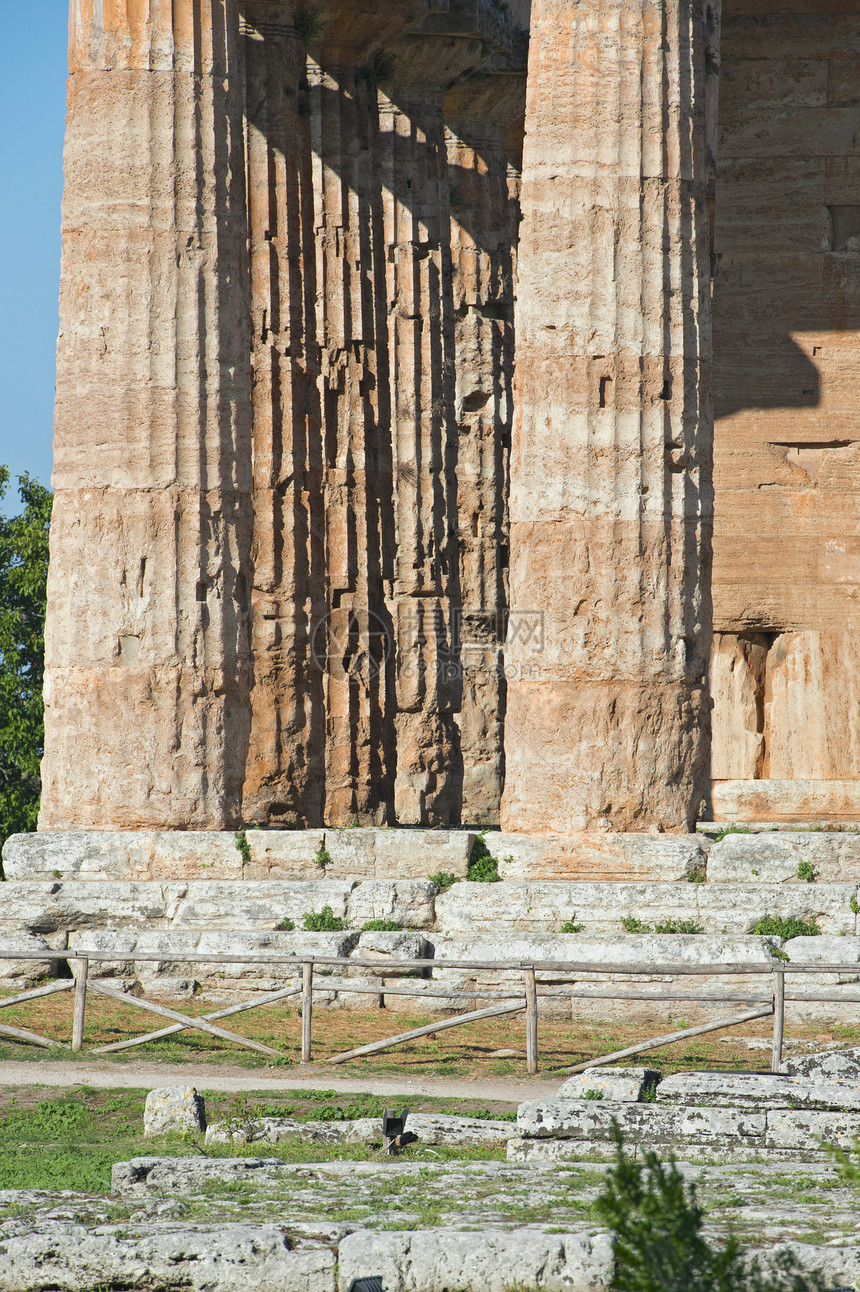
pixel 322 857
pixel 243 848
pixel 631 924
pixel 443 879
pixel 324 921
pixel 285 925
pixel 483 866
pixel 786 927
pixel 806 871
pixel 381 926
pixel 678 926
pixel 571 926
pixel 592 1094
pixel 658 1244
pixel 854 905
pixel 698 873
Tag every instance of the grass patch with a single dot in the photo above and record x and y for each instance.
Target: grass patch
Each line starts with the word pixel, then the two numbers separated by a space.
pixel 381 926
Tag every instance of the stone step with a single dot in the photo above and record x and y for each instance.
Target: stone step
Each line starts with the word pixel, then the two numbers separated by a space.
pixel 684 1129
pixel 352 854
pixel 794 800
pixel 465 908
pixel 759 1090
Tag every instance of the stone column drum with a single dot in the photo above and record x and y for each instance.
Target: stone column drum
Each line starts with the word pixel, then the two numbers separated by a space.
pixel 610 622
pixel 147 668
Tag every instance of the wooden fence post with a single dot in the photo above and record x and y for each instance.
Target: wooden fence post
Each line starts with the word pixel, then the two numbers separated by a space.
pixel 531 1021
pixel 307 1008
pixel 81 976
pixel 778 1019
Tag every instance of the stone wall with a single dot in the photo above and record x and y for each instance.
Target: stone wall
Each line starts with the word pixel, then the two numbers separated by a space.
pixel 783 671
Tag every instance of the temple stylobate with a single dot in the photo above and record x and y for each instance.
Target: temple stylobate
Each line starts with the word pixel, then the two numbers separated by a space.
pixel 414 356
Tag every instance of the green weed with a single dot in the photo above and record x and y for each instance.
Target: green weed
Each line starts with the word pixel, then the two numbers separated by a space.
pixel 483 866
pixel 324 921
pixel 443 879
pixel 570 926
pixel 381 926
pixel 806 871
pixel 322 857
pixel 285 925
pixel 786 926
pixel 242 847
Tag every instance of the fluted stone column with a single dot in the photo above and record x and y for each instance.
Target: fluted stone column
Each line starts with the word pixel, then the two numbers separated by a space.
pixel 147 666
pixel 608 712
pixel 485 121
pixel 284 780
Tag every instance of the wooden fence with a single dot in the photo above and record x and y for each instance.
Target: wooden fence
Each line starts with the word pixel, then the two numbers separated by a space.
pixel 760 1004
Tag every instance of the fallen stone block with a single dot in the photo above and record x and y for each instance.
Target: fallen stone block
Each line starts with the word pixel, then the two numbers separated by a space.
pixel 431 1128
pixel 275 1130
pixel 598 855
pixel 65 1257
pixel 618 1085
pixel 492 1261
pixel 838 1065
pixel 179 1110
pixel 757 1090
pixel 838 1265
pixel 774 858
pixel 639 1123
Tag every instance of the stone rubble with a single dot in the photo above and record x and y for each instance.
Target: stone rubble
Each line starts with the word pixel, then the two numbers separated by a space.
pixel 617 1085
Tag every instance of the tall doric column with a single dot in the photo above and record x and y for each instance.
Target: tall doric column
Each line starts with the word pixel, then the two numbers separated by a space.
pixel 284 780
pixel 485 122
pixel 147 664
pixel 608 712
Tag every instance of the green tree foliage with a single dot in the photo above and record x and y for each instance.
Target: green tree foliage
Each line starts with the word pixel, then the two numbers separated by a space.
pixel 23 579
pixel 658 1241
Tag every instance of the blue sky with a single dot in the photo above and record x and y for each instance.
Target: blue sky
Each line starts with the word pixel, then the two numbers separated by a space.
pixel 32 110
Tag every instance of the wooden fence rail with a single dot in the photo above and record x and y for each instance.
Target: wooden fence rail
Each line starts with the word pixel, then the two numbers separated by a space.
pixel 766 1003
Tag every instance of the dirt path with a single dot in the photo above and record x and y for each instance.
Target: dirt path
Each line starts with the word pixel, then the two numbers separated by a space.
pixel 142 1075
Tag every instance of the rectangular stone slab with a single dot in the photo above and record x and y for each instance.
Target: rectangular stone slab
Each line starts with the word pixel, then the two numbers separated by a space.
pixel 756 1090
pixel 639 1123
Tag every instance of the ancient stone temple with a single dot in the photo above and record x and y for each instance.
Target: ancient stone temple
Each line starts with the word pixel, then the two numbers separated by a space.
pixel 414 355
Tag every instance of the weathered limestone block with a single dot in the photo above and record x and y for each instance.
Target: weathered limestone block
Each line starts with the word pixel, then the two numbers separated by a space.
pixel 397 854
pixel 171 945
pixel 229 1258
pixel 80 854
pixel 824 950
pixel 800 1130
pixel 274 1130
pixel 53 907
pixel 597 855
pixel 639 1123
pixel 257 906
pixel 433 1261
pixel 410 902
pixel 286 854
pixel 784 800
pixel 48 908
pixel 609 630
pixel 829 1065
pixel 174 1110
pixel 617 1085
pixel 758 1090
pixel 436 1128
pixel 738 906
pixel 773 858
pixel 21 974
pixel 392 946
